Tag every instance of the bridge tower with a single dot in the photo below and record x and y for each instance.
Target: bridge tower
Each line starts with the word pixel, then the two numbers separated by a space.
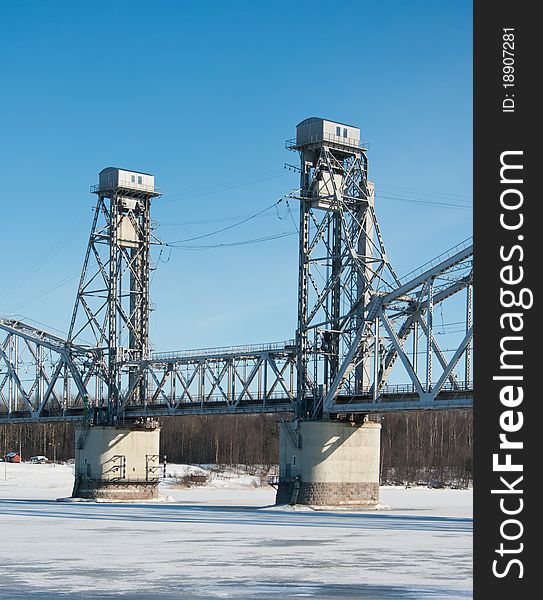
pixel 342 263
pixel 112 312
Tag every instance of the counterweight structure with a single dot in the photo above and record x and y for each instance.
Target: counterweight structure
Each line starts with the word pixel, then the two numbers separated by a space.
pixel 112 304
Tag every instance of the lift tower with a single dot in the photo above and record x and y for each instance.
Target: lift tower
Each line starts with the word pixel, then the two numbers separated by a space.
pixel 342 266
pixel 112 304
pixel 342 261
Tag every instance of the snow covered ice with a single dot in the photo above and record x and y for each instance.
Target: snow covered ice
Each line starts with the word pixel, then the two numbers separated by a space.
pixel 227 540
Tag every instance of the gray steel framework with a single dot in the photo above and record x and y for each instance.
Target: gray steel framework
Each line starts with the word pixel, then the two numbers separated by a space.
pixel 392 318
pixel 43 375
pixel 342 265
pixel 366 340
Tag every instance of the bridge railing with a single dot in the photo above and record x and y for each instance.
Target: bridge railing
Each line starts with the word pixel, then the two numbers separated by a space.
pixel 254 398
pixel 287 345
pixel 408 388
pixel 292 144
pixel 436 260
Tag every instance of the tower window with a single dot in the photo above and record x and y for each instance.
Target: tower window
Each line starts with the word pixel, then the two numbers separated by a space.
pixel 344 133
pixel 338 131
pixel 133 178
pixel 140 180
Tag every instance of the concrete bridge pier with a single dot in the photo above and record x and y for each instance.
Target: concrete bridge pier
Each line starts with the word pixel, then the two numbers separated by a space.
pixel 329 464
pixel 117 463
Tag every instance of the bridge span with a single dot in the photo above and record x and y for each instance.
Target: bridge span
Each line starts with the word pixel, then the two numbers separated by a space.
pixel 204 382
pixel 45 378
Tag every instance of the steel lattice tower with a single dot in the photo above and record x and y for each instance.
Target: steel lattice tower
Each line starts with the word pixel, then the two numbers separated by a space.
pixel 342 260
pixel 112 303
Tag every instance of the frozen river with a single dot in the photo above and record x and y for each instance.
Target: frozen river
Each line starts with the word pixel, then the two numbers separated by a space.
pixel 228 542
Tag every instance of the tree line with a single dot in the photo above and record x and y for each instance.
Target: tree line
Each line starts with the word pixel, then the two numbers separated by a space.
pixel 421 447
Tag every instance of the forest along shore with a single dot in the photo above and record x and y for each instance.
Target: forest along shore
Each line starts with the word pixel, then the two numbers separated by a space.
pixel 422 448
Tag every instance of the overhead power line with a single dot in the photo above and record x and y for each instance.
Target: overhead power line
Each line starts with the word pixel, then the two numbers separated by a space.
pixel 43 258
pixel 211 233
pixel 47 291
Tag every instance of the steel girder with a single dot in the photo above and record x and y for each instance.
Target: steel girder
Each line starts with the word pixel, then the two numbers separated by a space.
pixel 44 377
pixel 233 382
pixel 55 380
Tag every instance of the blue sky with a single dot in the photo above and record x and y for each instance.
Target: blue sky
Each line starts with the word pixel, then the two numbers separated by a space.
pixel 203 95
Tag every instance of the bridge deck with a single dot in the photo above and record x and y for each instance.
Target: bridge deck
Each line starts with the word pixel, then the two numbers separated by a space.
pixel 397 401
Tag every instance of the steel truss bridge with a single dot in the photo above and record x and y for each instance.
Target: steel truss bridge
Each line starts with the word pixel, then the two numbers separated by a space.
pixel 360 329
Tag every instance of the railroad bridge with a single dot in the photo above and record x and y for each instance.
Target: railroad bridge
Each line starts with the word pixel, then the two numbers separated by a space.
pixel 365 341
